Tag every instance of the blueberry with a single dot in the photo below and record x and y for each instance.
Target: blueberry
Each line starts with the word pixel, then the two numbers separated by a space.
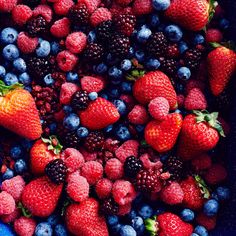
pixel 121 107
pixel 126 87
pixel 26 144
pixel 10 52
pixel 2 71
pixel 91 37
pixel 122 133
pixel 72 77
pixel 174 33
pixel 71 122
pixel 8 174
pixel 55 48
pixel 126 65
pixel 53 220
pixel 211 207
pixel 43 229
pixel 20 65
pixel 16 152
pixel 145 211
pixel 108 129
pixel 223 193
pixel 10 79
pixel 184 73
pixel 8 35
pixel 132 214
pixel 101 68
pixel 20 166
pixel 113 92
pixel 138 224
pixel 201 231
pixel 115 73
pixel 24 78
pixel 214 195
pixel 160 5
pixel 187 215
pixel 224 24
pixel 198 39
pixel 82 132
pixel 43 49
pixel 111 60
pixel 60 230
pixel 93 96
pixel 131 52
pixel 182 47
pixel 48 80
pixel 143 34
pixel 112 220
pixel 194 234
pixel 53 128
pixel 154 20
pixel 104 95
pixel 115 229
pixel 6 230
pixel 153 64
pixel 127 230
pixel 67 109
pixel 140 55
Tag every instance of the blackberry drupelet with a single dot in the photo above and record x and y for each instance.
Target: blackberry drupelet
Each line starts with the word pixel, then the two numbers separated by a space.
pixel 109 207
pixel 36 26
pixel 56 171
pixel 78 14
pixel 104 31
pixel 93 52
pixel 132 166
pixel 125 24
pixel 172 51
pixel 32 3
pixel 94 141
pixel 71 139
pixel 192 58
pixel 80 101
pixel 169 66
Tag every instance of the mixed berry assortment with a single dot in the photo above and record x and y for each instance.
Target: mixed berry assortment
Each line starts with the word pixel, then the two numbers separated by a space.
pixel 113 117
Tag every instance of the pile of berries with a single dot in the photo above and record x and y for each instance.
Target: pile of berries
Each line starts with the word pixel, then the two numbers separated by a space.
pixel 114 117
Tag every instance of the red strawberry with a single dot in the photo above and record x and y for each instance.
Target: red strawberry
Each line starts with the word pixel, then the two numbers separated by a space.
pixel 191 14
pixel 92 84
pixel 18 111
pixel 40 196
pixel 42 152
pixel 208 222
pixel 162 135
pixel 221 66
pixel 199 134
pixel 216 174
pixel 155 84
pixel 195 100
pixel 168 224
pixel 99 114
pixel 84 220
pixel 214 35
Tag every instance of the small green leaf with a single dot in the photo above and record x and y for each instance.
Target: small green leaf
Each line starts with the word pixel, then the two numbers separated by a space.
pixel 25 212
pixel 50 147
pixel 215 45
pixel 151 226
pixel 202 185
pixel 45 140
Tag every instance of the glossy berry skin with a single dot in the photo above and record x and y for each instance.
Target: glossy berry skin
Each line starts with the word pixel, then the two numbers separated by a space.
pixel 8 35
pixel 184 73
pixel 160 5
pixel 43 228
pixel 200 230
pixel 187 215
pixel 223 193
pixel 211 207
pixel 173 33
pixel 127 230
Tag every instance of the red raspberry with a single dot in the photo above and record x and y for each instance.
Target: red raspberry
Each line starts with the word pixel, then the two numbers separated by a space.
pixel 21 14
pixel 88 156
pixel 61 28
pixel 208 222
pixel 138 115
pixel 103 188
pixel 123 192
pixel 7 203
pixel 159 108
pixel 123 2
pixel 92 171
pixel 148 164
pixel 26 44
pixel 24 226
pixel 91 5
pixel 114 169
pixel 67 91
pixel 128 148
pixel 7 5
pixel 62 7
pixel 66 60
pixel 100 15
pixel 11 217
pixel 92 84
pixel 53 0
pixel 45 11
pixel 202 162
pixel 214 35
pixel 172 194
pixel 14 186
pixel 142 7
pixel 78 187
pixel 76 42
pixel 216 174
pixel 125 209
pixel 194 83
pixel 117 9
pixel 129 101
pixel 73 159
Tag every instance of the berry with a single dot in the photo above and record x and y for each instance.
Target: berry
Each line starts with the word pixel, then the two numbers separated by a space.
pixel 142 7
pixel 114 169
pixel 43 49
pixel 184 73
pixel 145 211
pixel 7 203
pixel 100 15
pixel 202 162
pixel 10 52
pixel 11 217
pixel 60 28
pixel 211 207
pixel 109 207
pixel 80 101
pixel 76 42
pixel 93 52
pixel 159 108
pixel 125 24
pixel 60 230
pixel 127 230
pixel 24 226
pixel 123 2
pixel 71 140
pixel 8 35
pixel 173 33
pixel 187 215
pixel 112 220
pixel 138 115
pixel 214 35
pixel 104 31
pixel 5 228
pixel 67 91
pixel 92 84
pixel 169 66
pixel 62 7
pixel 132 166
pixel 160 5
pixel 208 222
pixel 43 229
pixel 66 60
pixel 192 58
pixel 7 6
pixel 94 141
pixel 103 188
pixel 45 11
pixel 78 14
pixel 223 193
pixel 200 230
pixel 195 100
pixel 36 26
pixel 216 174
pixel 91 5
pixel 26 44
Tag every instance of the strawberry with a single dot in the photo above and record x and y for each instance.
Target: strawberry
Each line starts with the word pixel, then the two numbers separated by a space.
pixel 42 152
pixel 99 110
pixel 221 66
pixel 168 224
pixel 154 84
pixel 209 222
pixel 195 100
pixel 40 196
pixel 191 14
pixel 84 220
pixel 162 135
pixel 18 111
pixel 200 133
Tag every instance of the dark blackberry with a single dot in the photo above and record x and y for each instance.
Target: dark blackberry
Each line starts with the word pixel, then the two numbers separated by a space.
pixel 36 26
pixel 93 52
pixel 192 58
pixel 70 139
pixel 56 171
pixel 104 31
pixel 172 51
pixel 168 66
pixel 132 166
pixel 125 24
pixel 78 14
pixel 80 101
pixel 32 3
pixel 157 44
pixel 109 207
pixel 94 141
pixel 119 45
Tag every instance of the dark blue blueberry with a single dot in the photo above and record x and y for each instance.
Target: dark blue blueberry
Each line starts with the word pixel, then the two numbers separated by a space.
pixel 10 79
pixel 53 128
pixel 121 107
pixel 20 65
pixel 173 33
pixel 184 73
pixel 153 64
pixel 145 211
pixel 126 87
pixel 113 93
pixel 223 193
pixel 20 166
pixel 25 79
pixel 60 230
pixel 112 220
pixel 91 37
pixel 16 152
pixel 2 72
pixel 93 96
pixel 8 35
pixel 198 39
pixel 10 52
pixel 101 68
pixel 126 65
pixel 201 231
pixel 211 207
pixel 6 230
pixel 140 55
pixel 143 34
pixel 82 132
pixel 131 52
pixel 127 230
pixel 8 174
pixel 182 47
pixel 224 24
pixel 67 109
pixel 26 144
pixel 122 133
pixel 115 229
pixel 160 5
pixel 72 77
pixel 116 81
pixel 187 215
pixel 132 214
pixel 115 73
pixel 43 229
pixel 108 129
pixel 71 122
pixel 53 220
pixel 28 88
pixel 138 225
pixel 43 49
pixel 214 195
pixel 48 80
pixel 154 20
pixel 55 48
pixel 104 95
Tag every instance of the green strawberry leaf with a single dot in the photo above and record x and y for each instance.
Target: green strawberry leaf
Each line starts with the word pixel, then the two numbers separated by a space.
pixel 212 6
pixel 25 212
pixel 202 185
pixel 151 226
pixel 54 144
pixel 4 89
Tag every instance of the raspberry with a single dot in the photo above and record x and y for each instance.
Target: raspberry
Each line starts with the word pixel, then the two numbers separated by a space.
pixel 103 188
pixel 66 60
pixel 14 186
pixel 88 156
pixel 24 226
pixel 180 100
pixel 148 164
pixel 202 162
pixel 125 209
pixel 45 11
pixel 92 84
pixel 60 28
pixel 73 159
pixel 172 194
pixel 129 101
pixel 91 5
pixel 21 14
pixel 114 169
pixel 128 148
pixel 62 7
pixel 76 42
pixel 78 187
pixel 7 203
pixel 194 83
pixel 123 192
pixel 142 7
pixel 11 217
pixel 123 2
pixel 67 91
pixel 138 115
pixel 100 15
pixel 159 108
pixel 208 222
pixel 214 35
pixel 26 44
pixel 7 6
pixel 195 100
pixel 216 174
pixel 92 171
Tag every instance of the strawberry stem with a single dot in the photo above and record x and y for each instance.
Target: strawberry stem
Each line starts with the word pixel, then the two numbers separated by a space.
pixel 4 89
pixel 202 185
pixel 212 7
pixel 24 211
pixel 151 226
pixel 53 144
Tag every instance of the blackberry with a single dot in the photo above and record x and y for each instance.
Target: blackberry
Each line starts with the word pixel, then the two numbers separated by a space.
pixel 157 44
pixel 169 66
pixel 80 101
pixel 94 141
pixel 93 52
pixel 125 24
pixel 56 171
pixel 172 51
pixel 32 3
pixel 71 139
pixel 36 26
pixel 78 14
pixel 109 207
pixel 104 31
pixel 119 45
pixel 192 58
pixel 132 166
